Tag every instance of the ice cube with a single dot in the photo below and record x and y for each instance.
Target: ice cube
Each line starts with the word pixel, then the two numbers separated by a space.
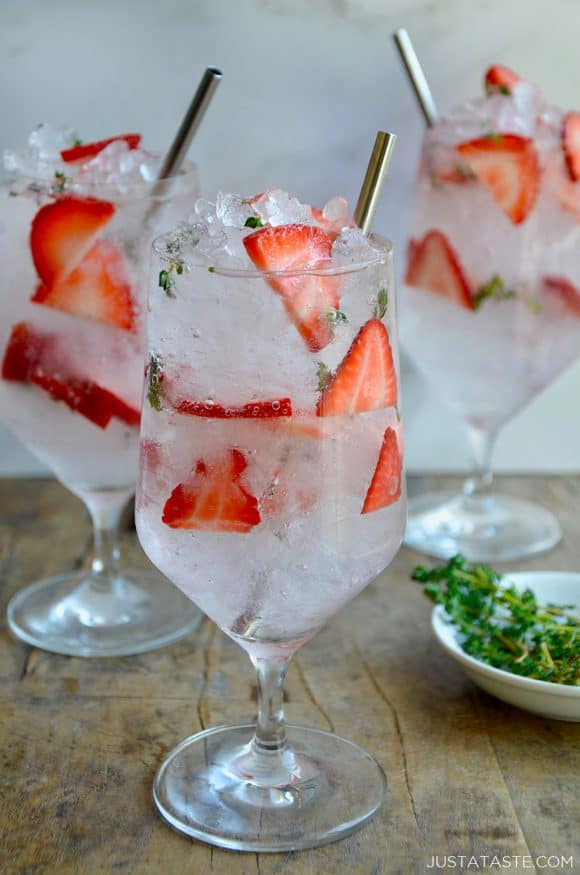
pixel 232 210
pixel 47 141
pixel 276 207
pixel 335 210
pixel 351 246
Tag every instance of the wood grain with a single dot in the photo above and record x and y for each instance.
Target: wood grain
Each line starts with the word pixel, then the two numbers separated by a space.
pixel 82 739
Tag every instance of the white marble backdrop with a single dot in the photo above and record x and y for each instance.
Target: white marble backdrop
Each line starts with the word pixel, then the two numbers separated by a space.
pixel 306 85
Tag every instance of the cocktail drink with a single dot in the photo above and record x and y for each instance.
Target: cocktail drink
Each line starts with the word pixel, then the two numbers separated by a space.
pixel 78 221
pixel 270 489
pixel 491 310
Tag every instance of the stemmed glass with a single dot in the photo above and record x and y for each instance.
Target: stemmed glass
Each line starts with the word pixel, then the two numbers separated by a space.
pixel 490 308
pixel 71 352
pixel 271 493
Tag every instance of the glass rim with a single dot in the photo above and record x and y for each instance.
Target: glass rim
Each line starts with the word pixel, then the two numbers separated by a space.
pixel 138 190
pixel 380 257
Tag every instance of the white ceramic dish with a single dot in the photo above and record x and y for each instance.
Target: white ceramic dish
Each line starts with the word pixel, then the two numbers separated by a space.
pixel 557 701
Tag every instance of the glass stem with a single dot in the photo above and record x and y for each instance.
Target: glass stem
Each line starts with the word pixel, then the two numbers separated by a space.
pixel 482 444
pixel 270 734
pixel 106 517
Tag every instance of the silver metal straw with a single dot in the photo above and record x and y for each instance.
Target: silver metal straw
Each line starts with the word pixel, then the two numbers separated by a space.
pixel 191 121
pixel 416 76
pixel 374 178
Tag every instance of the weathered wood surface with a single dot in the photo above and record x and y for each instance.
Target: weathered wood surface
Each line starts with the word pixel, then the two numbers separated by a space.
pixel 82 739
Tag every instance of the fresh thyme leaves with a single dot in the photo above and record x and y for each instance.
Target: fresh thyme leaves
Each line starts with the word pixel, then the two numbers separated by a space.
pixel 382 303
pixel 324 375
pixel 253 222
pixel 336 317
pixel 167 278
pixel 154 378
pixel 505 627
pixel 211 269
pixel 495 288
pixel 77 143
pixel 60 182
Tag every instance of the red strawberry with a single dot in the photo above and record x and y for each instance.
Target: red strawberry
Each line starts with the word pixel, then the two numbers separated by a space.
pixel 500 79
pixel 252 410
pixel 434 266
pixel 23 353
pixel 89 150
pixel 508 166
pixel 307 298
pixel 96 289
pixel 213 499
pixel 385 486
pixel 62 232
pixel 566 292
pixel 365 378
pixel 30 358
pixel 571 144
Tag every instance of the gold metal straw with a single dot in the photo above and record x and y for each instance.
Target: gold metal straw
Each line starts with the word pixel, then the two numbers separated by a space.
pixel 416 76
pixel 191 121
pixel 373 181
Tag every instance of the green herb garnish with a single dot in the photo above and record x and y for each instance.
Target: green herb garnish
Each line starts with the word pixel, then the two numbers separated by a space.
pixel 77 142
pixel 61 181
pixel 505 627
pixel 494 137
pixel 503 89
pixel 211 269
pixel 166 277
pixel 534 305
pixel 154 378
pixel 495 289
pixel 336 317
pixel 324 375
pixel 381 305
pixel 253 222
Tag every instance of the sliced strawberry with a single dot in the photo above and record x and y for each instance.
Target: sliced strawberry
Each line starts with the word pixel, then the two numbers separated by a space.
pixel 24 351
pixel 62 232
pixel 571 144
pixel 365 378
pixel 508 166
pixel 30 358
pixel 97 289
pixel 251 410
pixel 89 150
pixel 434 266
pixel 500 80
pixel 307 298
pixel 566 292
pixel 385 486
pixel 213 498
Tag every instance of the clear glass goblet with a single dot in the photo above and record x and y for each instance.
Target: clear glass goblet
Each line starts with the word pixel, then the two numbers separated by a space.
pixel 271 493
pixel 72 338
pixel 490 316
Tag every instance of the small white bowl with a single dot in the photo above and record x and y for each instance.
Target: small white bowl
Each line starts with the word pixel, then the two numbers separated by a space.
pixel 557 701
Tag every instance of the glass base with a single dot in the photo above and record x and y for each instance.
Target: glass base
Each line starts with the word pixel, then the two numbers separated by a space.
pixel 326 788
pixel 491 528
pixel 87 615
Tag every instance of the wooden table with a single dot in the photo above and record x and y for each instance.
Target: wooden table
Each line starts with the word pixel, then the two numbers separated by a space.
pixel 82 739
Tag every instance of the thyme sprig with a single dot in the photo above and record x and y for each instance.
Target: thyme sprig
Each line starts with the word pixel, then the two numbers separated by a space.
pixel 503 626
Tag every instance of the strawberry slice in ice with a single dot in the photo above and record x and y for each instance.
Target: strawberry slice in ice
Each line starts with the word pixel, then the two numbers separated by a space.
pixel 309 298
pixel 508 166
pixel 98 288
pixel 62 232
pixel 385 486
pixel 434 266
pixel 89 150
pixel 33 357
pixel 366 378
pixel 499 79
pixel 214 498
pixel 252 410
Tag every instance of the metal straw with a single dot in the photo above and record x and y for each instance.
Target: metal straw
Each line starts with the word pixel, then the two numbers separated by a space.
pixel 373 181
pixel 416 76
pixel 191 121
